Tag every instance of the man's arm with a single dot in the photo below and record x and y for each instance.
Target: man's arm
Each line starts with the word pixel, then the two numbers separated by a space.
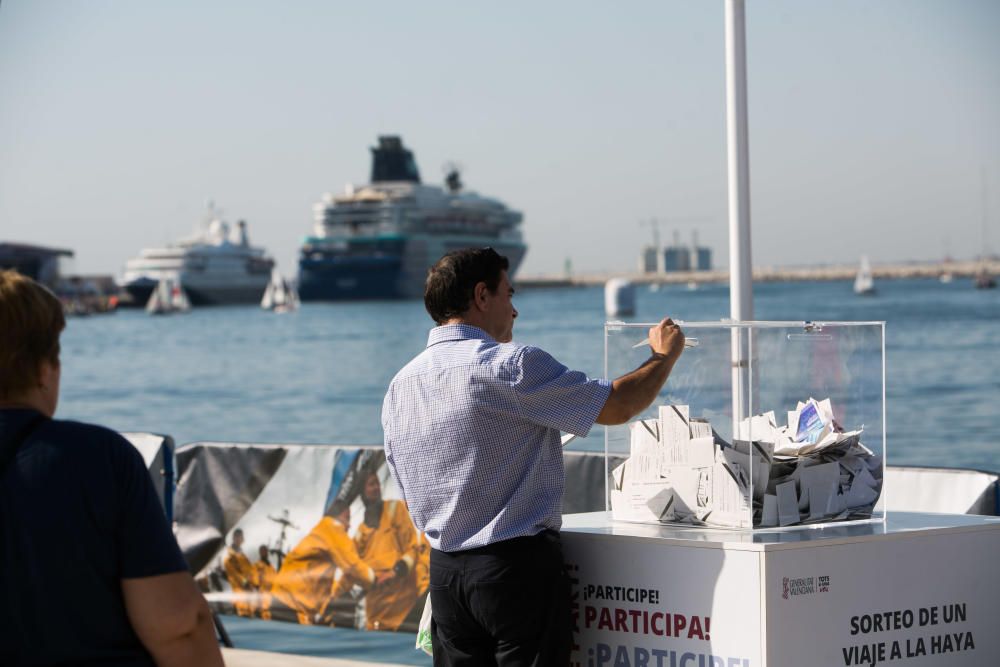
pixel 635 391
pixel 406 538
pixel 346 554
pixel 231 566
pixel 172 620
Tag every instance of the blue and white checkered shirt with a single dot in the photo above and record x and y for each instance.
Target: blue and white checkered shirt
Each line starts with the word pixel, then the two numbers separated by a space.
pixel 472 436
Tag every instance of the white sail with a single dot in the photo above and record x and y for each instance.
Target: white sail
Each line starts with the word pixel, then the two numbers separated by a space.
pixel 863 282
pixel 178 298
pixel 168 297
pixel 155 305
pixel 267 301
pixel 279 295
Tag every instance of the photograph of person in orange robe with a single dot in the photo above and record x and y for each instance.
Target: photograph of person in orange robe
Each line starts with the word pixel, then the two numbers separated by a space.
pixel 388 542
pixel 240 574
pixel 305 583
pixel 265 574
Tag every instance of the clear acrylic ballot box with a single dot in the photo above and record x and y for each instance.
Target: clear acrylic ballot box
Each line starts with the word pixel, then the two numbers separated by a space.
pixel 761 425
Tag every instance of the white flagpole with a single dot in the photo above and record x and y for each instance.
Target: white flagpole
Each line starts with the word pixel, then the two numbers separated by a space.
pixel 740 266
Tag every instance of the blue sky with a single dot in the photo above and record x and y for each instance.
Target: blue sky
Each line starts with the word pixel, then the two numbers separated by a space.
pixel 870 122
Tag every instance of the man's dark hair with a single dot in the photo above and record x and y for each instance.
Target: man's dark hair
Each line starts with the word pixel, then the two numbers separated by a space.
pixel 451 282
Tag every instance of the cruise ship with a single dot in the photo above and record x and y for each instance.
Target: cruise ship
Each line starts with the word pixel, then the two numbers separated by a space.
pixel 377 241
pixel 215 266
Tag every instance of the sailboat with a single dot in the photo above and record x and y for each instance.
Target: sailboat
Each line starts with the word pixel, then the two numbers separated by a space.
pixel 983 278
pixel 168 297
pixel 863 282
pixel 279 295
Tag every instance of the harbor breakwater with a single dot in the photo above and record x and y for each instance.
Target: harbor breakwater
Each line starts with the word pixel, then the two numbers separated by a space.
pixel 909 270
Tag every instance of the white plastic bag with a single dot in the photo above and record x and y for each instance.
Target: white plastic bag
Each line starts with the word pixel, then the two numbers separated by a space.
pixel 424 629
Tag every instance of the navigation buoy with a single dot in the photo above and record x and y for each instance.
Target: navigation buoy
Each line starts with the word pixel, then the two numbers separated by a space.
pixel 619 298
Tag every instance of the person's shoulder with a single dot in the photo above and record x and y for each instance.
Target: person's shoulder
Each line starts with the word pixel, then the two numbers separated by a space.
pixel 332 530
pixel 396 506
pixel 328 524
pixel 97 453
pixel 498 353
pixel 84 435
pixel 413 366
pixel 531 355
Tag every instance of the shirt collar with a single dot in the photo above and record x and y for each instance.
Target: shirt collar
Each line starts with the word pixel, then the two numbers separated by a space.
pixel 452 332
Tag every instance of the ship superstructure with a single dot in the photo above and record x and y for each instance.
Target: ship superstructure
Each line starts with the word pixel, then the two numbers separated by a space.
pixel 215 266
pixel 377 241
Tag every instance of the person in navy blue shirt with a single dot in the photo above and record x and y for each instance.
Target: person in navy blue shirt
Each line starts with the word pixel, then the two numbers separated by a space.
pixel 472 438
pixel 90 572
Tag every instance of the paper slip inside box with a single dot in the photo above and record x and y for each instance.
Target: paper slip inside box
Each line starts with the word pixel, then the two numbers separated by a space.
pixel 644 436
pixel 690 489
pixel 700 428
pixel 759 427
pixel 820 484
pixel 788 504
pixel 729 498
pixel 648 502
pixel 807 471
pixel 674 424
pixel 696 453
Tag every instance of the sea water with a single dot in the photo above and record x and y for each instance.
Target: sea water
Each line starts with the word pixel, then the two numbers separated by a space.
pixel 318 375
pixel 241 374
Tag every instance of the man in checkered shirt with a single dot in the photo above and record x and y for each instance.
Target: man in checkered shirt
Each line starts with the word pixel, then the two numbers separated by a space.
pixel 472 437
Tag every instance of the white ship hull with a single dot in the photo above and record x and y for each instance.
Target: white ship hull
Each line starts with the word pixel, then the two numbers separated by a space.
pixel 212 268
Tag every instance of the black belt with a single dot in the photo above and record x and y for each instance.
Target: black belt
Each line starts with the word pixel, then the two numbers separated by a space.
pixel 513 545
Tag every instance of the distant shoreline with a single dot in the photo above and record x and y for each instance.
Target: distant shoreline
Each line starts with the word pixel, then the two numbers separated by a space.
pixel 958 269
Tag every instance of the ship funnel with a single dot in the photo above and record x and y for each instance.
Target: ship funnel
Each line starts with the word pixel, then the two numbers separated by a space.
pixel 392 162
pixel 239 236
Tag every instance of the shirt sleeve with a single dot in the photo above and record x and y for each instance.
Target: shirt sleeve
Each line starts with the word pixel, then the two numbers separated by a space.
pixel 345 556
pixel 551 395
pixel 146 545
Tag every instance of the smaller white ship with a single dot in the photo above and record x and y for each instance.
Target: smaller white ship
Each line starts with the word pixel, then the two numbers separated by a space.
pixel 214 266
pixel 864 283
pixel 279 296
pixel 168 297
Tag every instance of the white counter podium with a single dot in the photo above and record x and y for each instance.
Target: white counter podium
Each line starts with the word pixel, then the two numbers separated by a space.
pixel 914 590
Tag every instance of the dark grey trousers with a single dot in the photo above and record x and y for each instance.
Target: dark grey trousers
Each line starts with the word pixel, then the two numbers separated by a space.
pixel 505 604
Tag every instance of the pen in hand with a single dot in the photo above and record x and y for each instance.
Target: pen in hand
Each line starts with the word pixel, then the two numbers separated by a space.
pixel 688 342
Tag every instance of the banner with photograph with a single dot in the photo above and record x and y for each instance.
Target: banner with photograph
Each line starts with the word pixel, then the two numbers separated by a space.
pixel 158 453
pixel 315 535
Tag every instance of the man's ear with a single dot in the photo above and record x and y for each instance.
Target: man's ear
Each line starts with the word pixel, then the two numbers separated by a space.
pixel 45 369
pixel 479 295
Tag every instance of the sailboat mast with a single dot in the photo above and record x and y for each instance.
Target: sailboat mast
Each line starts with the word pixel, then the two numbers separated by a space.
pixel 982 247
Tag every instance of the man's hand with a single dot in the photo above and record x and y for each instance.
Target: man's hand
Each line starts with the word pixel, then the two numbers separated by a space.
pixel 666 338
pixel 634 392
pixel 401 568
